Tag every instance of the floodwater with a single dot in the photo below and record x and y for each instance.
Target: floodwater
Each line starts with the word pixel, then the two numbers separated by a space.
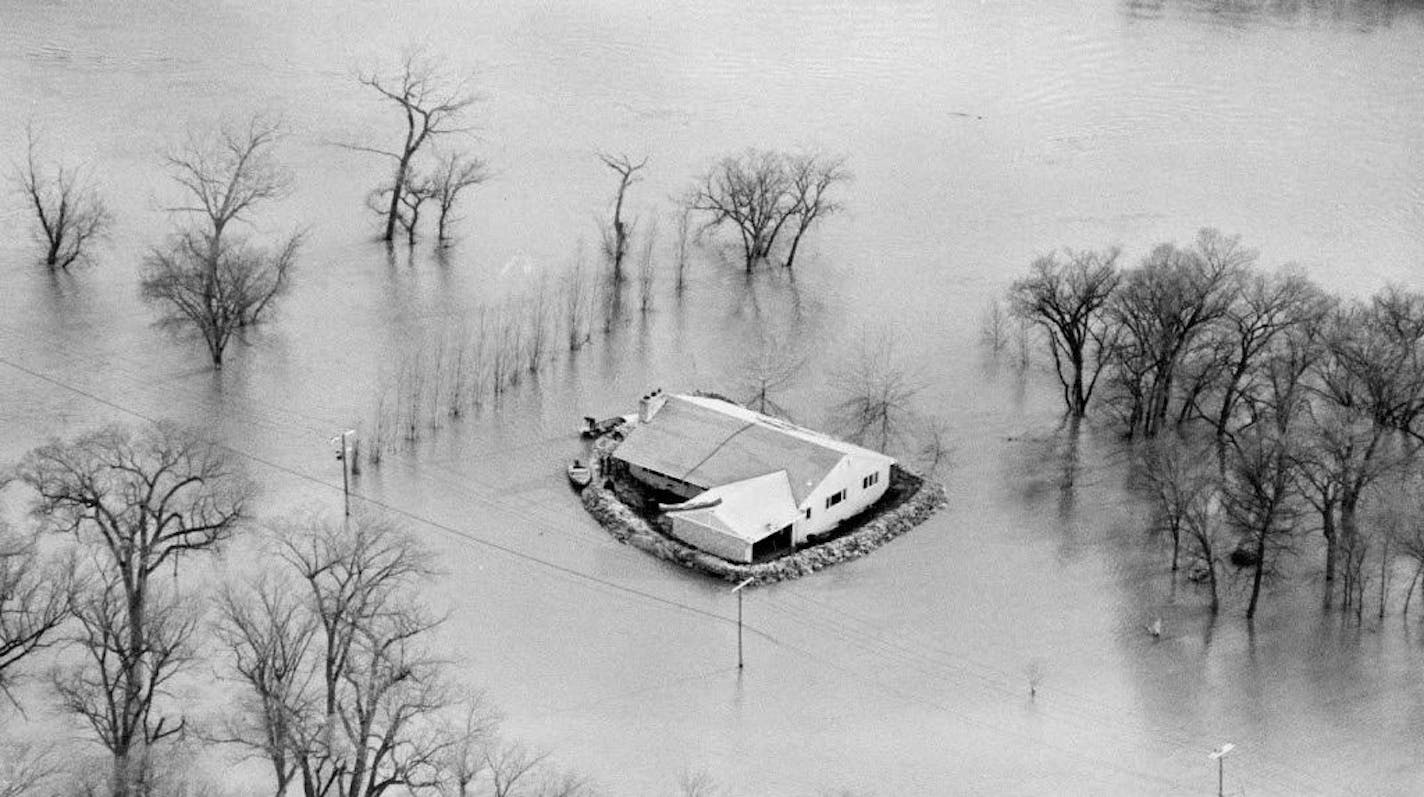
pixel 980 135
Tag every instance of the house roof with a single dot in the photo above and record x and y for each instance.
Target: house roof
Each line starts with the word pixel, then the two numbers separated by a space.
pixel 706 442
pixel 749 510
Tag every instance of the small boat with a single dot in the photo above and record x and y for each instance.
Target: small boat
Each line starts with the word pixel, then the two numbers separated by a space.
pixel 1155 628
pixel 579 474
pixel 688 506
pixel 596 428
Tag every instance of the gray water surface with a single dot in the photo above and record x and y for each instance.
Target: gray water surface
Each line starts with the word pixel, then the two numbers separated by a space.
pixel 980 135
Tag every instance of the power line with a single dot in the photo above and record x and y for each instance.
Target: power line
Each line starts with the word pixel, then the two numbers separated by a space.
pixel 906 653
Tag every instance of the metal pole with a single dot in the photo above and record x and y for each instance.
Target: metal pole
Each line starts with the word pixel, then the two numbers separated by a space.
pixel 1220 756
pixel 342 454
pixel 345 479
pixel 739 629
pixel 738 589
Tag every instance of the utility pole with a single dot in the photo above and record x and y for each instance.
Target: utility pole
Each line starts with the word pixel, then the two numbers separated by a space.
pixel 738 589
pixel 1220 757
pixel 342 454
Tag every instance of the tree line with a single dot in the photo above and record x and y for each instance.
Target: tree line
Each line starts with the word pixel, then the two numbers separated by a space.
pixel 1262 406
pixel 325 649
pixel 213 278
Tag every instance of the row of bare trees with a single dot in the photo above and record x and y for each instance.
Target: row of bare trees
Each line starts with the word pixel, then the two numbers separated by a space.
pixel 327 649
pixel 212 277
pixel 1265 401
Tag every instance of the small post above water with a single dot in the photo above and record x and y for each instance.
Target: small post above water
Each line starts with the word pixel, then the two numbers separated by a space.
pixel 738 590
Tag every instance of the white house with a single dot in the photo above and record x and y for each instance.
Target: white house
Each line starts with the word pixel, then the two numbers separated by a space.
pixel 750 485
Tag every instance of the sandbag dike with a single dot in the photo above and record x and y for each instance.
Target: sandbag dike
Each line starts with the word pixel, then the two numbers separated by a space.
pixel 908 501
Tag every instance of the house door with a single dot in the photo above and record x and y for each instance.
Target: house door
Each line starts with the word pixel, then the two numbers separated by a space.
pixel 772 544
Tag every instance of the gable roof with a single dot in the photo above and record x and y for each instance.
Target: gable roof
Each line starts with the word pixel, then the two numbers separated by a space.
pixel 749 510
pixel 707 442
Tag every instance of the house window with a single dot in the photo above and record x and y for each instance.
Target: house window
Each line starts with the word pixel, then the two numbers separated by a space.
pixel 808 513
pixel 873 478
pixel 835 499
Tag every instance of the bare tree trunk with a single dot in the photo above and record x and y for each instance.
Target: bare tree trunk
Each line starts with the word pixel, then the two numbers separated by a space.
pixel 1384 576
pixel 1256 576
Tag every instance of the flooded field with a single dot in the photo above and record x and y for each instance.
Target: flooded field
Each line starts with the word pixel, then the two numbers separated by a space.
pixel 980 135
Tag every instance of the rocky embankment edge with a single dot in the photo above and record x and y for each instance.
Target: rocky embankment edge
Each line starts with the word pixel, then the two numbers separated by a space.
pixel 916 499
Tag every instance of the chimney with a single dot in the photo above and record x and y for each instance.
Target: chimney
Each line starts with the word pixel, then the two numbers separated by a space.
pixel 649 405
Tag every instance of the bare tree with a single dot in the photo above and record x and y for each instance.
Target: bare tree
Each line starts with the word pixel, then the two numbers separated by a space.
pixel 371 725
pixel 69 213
pixel 35 599
pixel 453 174
pixel 617 234
pixel 1258 498
pixel 1068 300
pixel 878 392
pixel 418 190
pixel 994 327
pixel 811 179
pixel 269 639
pixel 751 193
pixel 645 269
pixel 431 102
pixel 464 760
pixel 1399 508
pixel 139 500
pixel 684 225
pixel 209 277
pixel 1186 491
pixel 772 365
pixel 118 698
pixel 578 299
pixel 509 765
pixel 1369 391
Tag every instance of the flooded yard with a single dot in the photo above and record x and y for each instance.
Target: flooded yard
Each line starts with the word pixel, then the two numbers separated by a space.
pixel 979 137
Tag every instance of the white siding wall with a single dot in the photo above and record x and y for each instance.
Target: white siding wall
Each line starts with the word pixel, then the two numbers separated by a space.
pixel 711 541
pixel 846 475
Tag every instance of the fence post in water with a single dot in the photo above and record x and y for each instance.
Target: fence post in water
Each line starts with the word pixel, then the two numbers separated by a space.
pixel 738 589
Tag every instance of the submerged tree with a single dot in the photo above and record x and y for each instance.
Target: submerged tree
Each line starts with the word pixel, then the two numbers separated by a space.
pixel 138 500
pixel 618 232
pixel 760 192
pixel 68 212
pixel 1068 300
pixel 811 179
pixel 454 173
pixel 431 104
pixel 772 365
pixel 877 395
pixel 208 276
